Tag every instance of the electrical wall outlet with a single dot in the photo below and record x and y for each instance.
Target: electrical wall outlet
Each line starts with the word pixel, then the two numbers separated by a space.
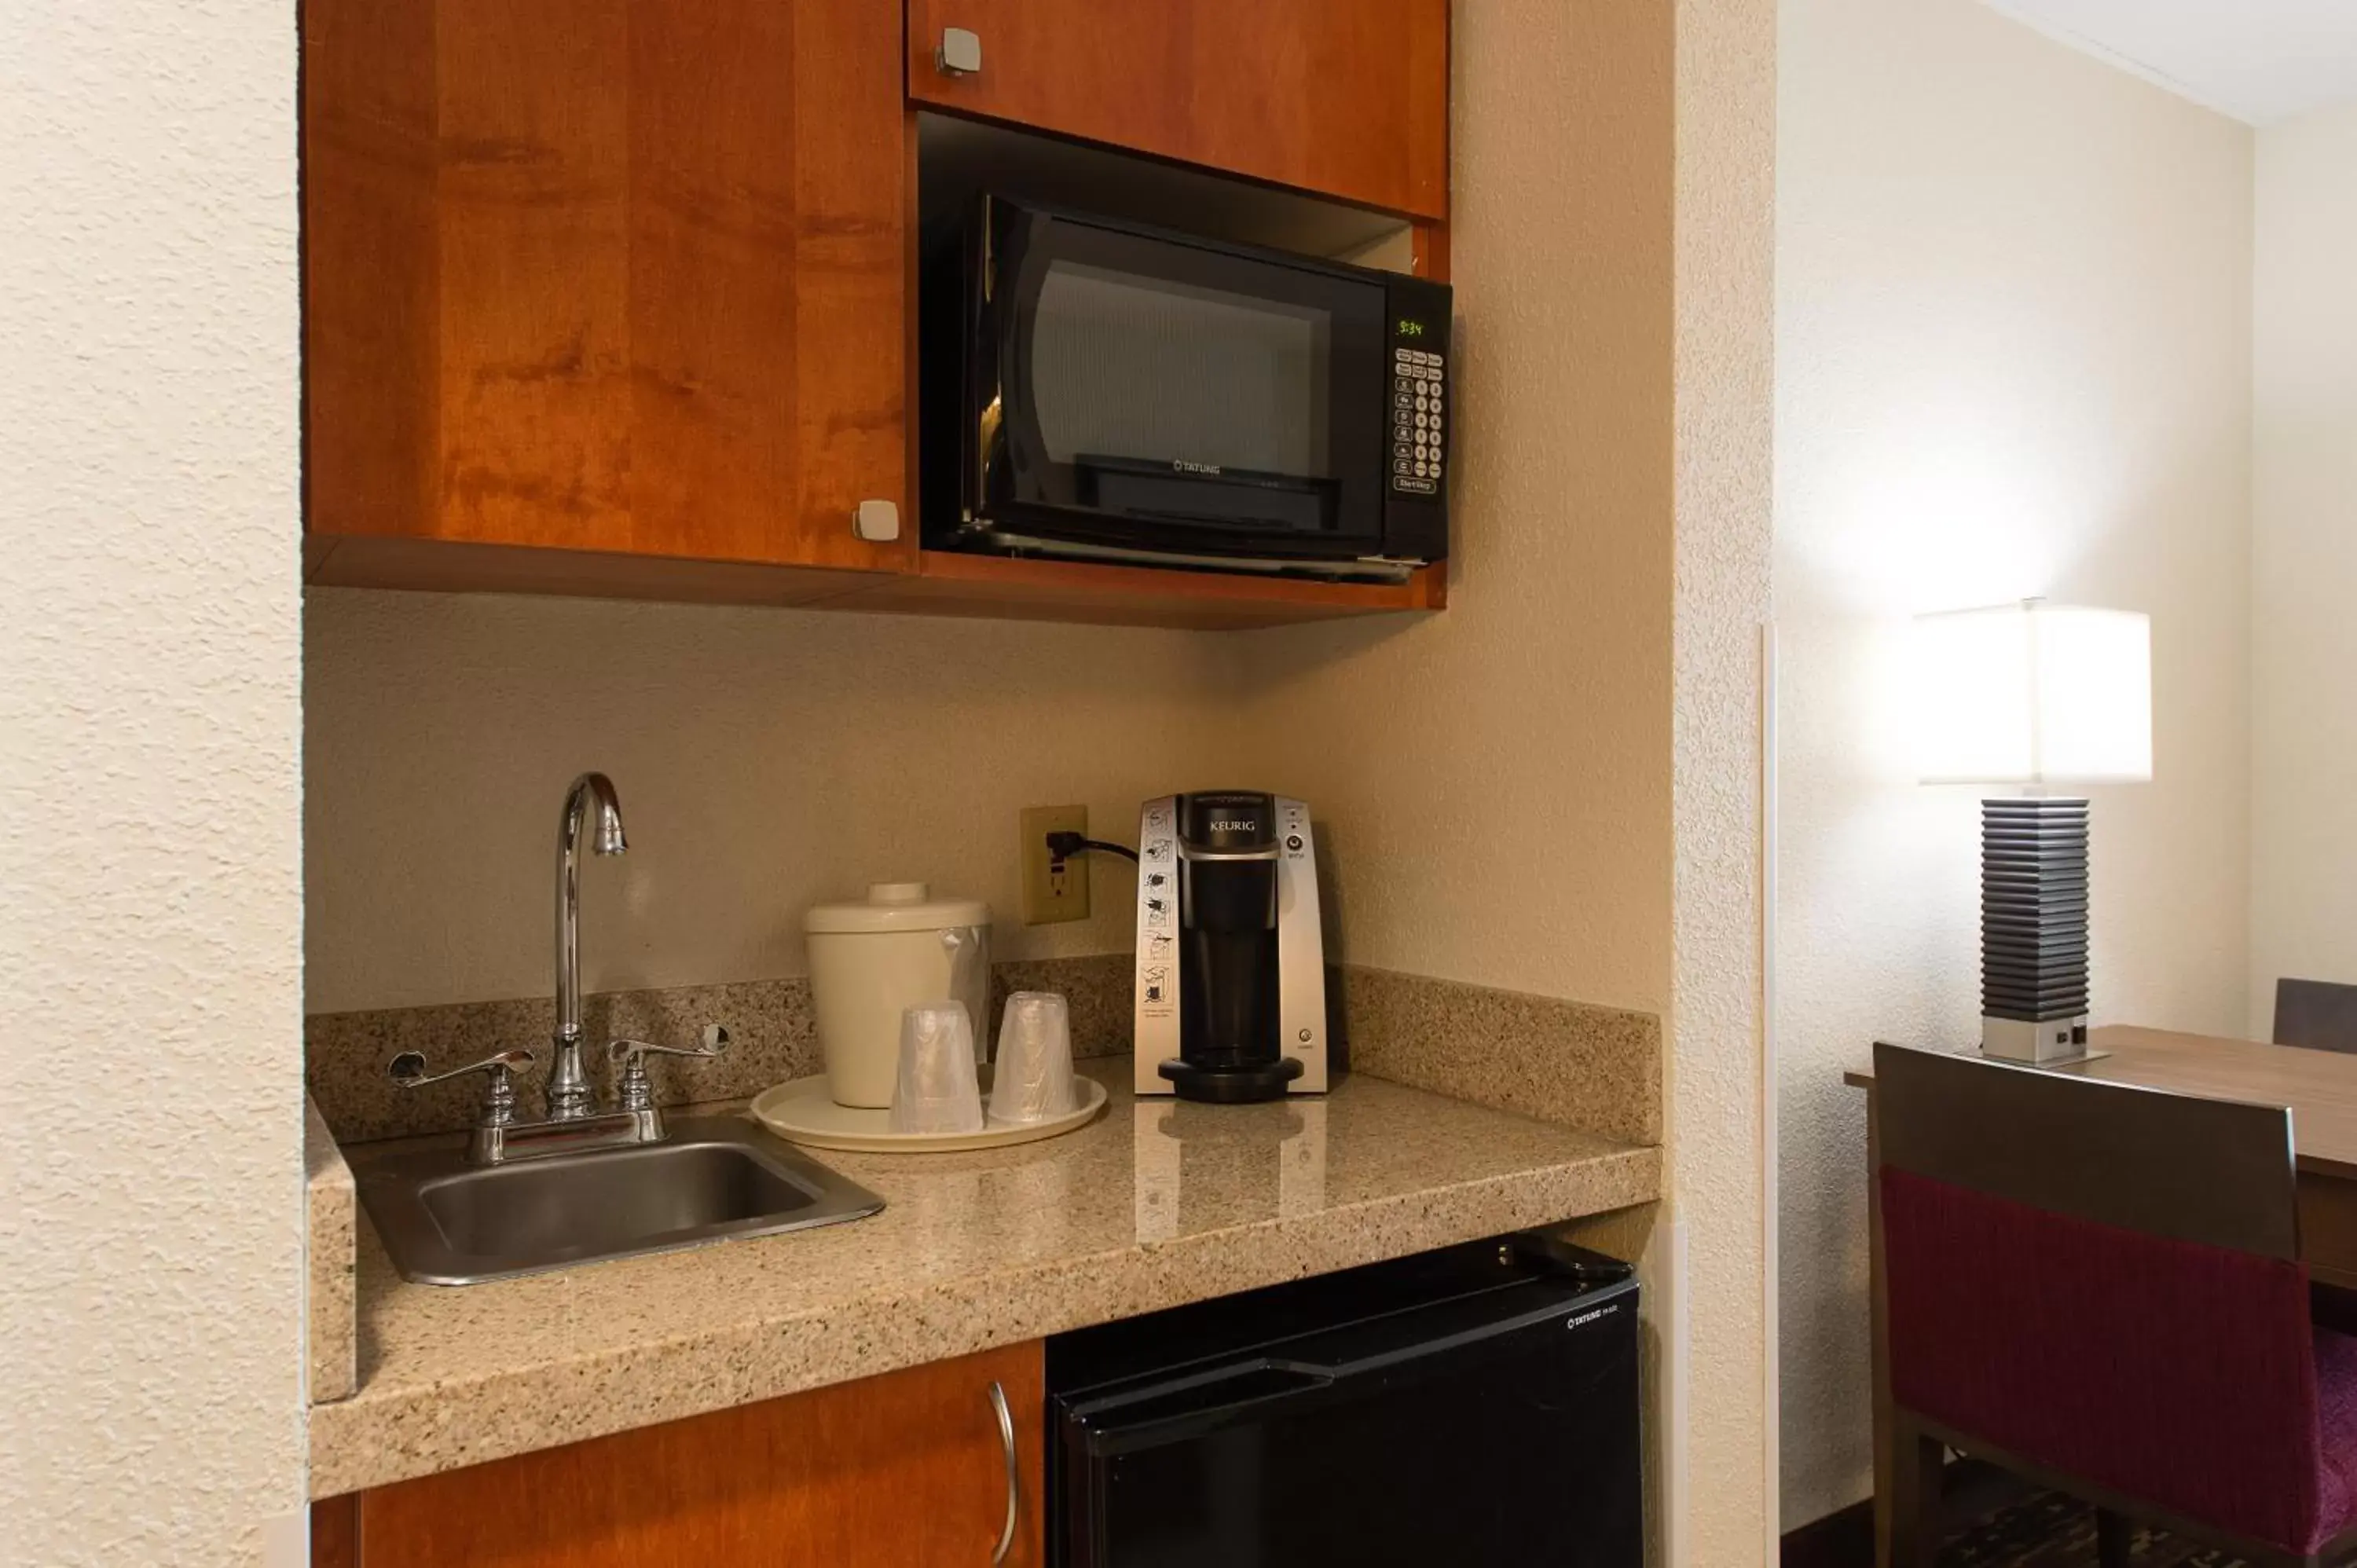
pixel 1052 890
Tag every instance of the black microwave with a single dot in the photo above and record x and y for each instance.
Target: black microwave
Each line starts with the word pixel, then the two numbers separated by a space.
pixel 1097 389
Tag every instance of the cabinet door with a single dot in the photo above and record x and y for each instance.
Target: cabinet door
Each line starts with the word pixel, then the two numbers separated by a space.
pixel 623 275
pixel 1348 97
pixel 901 1471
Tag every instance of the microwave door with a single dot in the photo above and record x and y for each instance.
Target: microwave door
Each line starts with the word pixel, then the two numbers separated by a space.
pixel 1156 394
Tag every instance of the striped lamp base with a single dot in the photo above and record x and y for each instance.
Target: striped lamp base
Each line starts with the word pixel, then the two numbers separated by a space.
pixel 2034 928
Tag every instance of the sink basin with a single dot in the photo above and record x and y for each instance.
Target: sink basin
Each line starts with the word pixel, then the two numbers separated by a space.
pixel 715 1178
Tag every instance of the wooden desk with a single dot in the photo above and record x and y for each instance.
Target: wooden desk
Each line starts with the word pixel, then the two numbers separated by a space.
pixel 2320 1088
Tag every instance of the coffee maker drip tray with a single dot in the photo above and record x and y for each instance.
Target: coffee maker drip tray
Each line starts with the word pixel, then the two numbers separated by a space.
pixel 1231 1083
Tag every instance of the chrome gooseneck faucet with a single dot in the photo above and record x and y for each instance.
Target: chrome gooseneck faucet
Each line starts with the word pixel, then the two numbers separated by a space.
pixel 569 1092
pixel 574 1124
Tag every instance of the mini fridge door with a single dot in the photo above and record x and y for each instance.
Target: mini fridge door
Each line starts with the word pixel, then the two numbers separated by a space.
pixel 1479 1433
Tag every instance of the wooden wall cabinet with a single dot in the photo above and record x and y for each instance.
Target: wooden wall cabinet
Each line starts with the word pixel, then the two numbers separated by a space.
pixel 615 298
pixel 901 1471
pixel 1348 98
pixel 612 275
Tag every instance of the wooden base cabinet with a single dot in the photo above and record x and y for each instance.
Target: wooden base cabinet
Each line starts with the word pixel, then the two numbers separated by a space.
pixel 906 1470
pixel 607 276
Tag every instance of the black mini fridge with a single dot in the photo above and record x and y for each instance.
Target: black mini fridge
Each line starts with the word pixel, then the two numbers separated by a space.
pixel 1475 1407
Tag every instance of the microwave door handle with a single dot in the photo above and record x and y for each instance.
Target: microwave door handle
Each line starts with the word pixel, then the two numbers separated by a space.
pixel 1020 269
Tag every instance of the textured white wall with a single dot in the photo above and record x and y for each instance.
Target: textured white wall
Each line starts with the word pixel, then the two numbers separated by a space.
pixel 151 1251
pixel 1725 408
pixel 2013 357
pixel 767 759
pixel 2304 561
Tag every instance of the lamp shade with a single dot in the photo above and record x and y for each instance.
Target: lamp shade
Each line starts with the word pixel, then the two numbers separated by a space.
pixel 2033 694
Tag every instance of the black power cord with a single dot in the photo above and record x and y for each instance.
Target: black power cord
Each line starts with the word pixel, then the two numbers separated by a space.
pixel 1063 845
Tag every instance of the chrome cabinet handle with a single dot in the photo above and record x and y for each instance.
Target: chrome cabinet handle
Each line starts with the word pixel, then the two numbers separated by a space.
pixel 1014 1483
pixel 959 53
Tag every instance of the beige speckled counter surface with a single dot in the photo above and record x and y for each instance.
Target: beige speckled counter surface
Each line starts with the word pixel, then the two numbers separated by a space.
pixel 332 1213
pixel 1152 1204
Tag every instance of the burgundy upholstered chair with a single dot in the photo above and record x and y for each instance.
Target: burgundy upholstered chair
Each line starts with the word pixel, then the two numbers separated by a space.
pixel 2099 1286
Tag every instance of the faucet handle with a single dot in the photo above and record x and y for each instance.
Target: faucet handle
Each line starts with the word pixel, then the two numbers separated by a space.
pixel 630 1056
pixel 408 1070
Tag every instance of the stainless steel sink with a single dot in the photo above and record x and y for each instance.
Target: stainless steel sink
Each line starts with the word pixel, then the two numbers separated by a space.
pixel 714 1178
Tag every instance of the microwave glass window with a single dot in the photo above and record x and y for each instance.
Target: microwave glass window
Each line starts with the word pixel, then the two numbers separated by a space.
pixel 1131 370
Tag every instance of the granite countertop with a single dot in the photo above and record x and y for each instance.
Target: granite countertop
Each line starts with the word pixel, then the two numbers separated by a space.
pixel 1154 1204
pixel 330 1213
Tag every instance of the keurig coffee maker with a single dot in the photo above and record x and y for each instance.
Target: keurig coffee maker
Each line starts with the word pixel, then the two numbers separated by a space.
pixel 1231 975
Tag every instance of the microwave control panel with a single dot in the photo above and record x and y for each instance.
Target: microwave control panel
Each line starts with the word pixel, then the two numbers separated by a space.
pixel 1419 413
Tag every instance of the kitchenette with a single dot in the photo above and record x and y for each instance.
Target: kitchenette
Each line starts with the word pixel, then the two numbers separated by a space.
pixel 453 1442
pixel 874 478
pixel 587 1336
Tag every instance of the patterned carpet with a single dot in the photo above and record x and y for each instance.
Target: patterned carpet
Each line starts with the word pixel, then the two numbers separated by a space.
pixel 2050 1531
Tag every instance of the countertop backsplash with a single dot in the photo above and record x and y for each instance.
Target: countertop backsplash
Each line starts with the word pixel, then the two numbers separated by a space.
pixel 1572 1063
pixel 772 1029
pixel 1595 1069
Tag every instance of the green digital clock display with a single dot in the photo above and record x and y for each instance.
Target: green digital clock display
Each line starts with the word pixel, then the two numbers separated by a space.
pixel 1411 329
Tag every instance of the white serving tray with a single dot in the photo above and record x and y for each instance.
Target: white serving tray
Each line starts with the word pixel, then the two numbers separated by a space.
pixel 804 1112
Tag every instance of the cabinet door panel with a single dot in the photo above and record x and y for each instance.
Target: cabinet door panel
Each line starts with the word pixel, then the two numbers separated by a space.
pixel 768 275
pixel 904 1470
pixel 1348 97
pixel 607 274
pixel 532 335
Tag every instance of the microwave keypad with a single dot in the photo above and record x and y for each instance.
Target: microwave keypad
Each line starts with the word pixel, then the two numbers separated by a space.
pixel 1418 377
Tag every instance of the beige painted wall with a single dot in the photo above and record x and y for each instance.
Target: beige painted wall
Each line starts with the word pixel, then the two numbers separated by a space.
pixel 765 761
pixel 1494 782
pixel 1504 789
pixel 2013 357
pixel 2303 568
pixel 151 1251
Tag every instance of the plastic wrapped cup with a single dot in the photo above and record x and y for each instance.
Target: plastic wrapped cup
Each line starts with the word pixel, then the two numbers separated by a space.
pixel 1033 1082
pixel 936 1090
